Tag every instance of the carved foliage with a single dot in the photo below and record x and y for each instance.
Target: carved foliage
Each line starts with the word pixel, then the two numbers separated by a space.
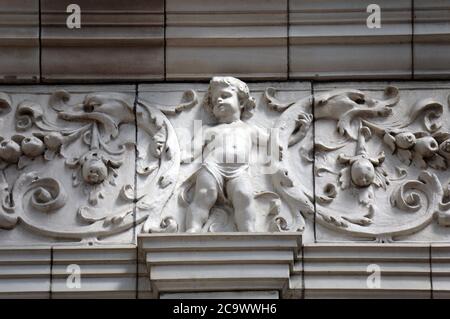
pixel 377 163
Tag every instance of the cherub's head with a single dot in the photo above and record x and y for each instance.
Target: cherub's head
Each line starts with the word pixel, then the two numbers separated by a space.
pixel 362 172
pixel 228 97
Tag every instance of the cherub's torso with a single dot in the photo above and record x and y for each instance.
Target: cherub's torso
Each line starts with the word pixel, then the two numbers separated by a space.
pixel 228 143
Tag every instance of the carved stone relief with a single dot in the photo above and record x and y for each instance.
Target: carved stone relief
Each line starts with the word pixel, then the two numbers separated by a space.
pixel 100 164
pixel 381 166
pixel 219 157
pixel 67 164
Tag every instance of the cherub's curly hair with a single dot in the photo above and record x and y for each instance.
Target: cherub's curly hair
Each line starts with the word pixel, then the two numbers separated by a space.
pixel 247 102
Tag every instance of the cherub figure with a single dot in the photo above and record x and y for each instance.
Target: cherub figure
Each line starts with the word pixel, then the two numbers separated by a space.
pixel 225 149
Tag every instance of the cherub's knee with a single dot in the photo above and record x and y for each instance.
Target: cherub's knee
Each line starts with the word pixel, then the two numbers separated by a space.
pixel 242 198
pixel 206 196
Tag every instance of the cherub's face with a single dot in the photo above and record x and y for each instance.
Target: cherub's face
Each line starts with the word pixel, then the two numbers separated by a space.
pixel 94 171
pixel 362 172
pixel 225 102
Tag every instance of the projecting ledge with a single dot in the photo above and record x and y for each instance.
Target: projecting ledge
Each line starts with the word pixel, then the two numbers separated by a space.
pixel 221 262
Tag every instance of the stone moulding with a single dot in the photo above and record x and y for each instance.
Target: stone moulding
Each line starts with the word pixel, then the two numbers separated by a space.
pixel 185 263
pixel 331 40
pixel 104 273
pixel 245 39
pixel 220 261
pixel 19 42
pixel 116 41
pixel 367 271
pixel 25 272
pixel 431 34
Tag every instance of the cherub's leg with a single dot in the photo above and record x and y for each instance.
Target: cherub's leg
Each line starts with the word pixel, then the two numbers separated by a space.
pixel 204 199
pixel 240 192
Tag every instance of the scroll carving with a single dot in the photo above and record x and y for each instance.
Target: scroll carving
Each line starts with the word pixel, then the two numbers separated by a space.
pixel 379 162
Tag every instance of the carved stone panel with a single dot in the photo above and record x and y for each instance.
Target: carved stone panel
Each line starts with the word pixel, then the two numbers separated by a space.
pixel 225 157
pixel 382 161
pixel 67 162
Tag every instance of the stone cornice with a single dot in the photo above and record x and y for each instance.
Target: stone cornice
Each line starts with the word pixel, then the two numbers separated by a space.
pixel 338 270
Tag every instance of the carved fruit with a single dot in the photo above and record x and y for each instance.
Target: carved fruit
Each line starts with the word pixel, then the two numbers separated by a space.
pixel 53 141
pixel 362 172
pixel 94 171
pixel 32 146
pixel 426 146
pixel 405 140
pixel 10 151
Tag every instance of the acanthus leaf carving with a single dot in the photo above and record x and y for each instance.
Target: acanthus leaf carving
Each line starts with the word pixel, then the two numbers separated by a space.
pixel 376 164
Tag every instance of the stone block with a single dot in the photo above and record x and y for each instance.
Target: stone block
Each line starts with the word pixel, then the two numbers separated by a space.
pixel 117 41
pixel 94 272
pixel 330 39
pixel 246 39
pixel 172 119
pixel 223 262
pixel 431 39
pixel 19 41
pixel 366 271
pixel 25 272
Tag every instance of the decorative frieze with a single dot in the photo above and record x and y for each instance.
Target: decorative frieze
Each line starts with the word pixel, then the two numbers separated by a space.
pixel 381 161
pixel 240 149
pixel 67 161
pixel 225 157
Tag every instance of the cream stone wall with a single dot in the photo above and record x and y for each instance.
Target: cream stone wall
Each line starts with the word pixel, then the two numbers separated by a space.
pixel 253 149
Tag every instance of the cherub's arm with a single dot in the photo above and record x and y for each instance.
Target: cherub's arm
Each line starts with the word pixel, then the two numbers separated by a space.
pixel 260 136
pixel 195 148
pixel 268 140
